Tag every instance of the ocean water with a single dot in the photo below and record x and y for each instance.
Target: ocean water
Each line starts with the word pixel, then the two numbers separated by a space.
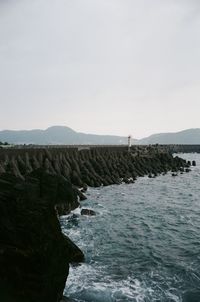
pixel 143 245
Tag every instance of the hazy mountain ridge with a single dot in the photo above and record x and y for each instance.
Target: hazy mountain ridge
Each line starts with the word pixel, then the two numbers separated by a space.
pixel 188 136
pixel 66 135
pixel 58 135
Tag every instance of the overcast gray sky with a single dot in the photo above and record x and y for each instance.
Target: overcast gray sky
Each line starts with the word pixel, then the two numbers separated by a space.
pixel 100 66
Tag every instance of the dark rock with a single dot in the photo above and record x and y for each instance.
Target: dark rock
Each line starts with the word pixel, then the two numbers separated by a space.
pixel 57 191
pixel 65 299
pixel 88 212
pixel 126 180
pixel 94 167
pixel 84 188
pixel 174 174
pixel 34 254
pixel 80 195
pixel 187 170
pixel 194 163
pixel 75 255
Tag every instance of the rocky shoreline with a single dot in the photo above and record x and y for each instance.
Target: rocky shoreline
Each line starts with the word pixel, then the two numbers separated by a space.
pixel 34 254
pixel 38 185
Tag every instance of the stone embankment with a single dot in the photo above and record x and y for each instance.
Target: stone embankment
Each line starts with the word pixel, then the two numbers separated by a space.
pixel 38 185
pixel 93 167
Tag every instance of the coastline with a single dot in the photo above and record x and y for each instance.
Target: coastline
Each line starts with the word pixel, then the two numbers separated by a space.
pixel 42 183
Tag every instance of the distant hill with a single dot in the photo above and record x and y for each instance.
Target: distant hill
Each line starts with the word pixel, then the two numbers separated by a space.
pixel 58 135
pixel 62 135
pixel 187 137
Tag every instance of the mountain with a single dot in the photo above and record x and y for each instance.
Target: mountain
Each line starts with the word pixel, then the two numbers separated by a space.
pixel 185 137
pixel 58 135
pixel 67 136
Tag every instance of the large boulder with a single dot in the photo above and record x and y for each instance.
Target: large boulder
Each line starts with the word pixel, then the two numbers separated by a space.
pixel 194 163
pixel 34 253
pixel 57 190
pixel 88 212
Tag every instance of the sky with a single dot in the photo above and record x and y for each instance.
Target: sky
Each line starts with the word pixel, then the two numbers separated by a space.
pixel 100 66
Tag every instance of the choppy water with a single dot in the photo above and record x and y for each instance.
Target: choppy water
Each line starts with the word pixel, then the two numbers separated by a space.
pixel 144 243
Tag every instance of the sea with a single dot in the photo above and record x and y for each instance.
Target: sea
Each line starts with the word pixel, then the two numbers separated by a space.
pixel 143 245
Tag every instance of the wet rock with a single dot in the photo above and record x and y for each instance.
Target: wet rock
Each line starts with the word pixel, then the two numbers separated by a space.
pixel 128 180
pixel 81 195
pixel 193 163
pixel 65 299
pixel 75 255
pixel 84 188
pixel 57 190
pixel 34 254
pixel 88 212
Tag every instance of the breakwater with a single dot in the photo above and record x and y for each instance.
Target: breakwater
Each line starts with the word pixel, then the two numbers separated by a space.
pixel 36 185
pixel 182 148
pixel 175 148
pixel 94 166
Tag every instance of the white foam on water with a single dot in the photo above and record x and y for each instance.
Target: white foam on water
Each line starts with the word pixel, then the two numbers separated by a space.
pixel 73 233
pixel 90 284
pixel 77 211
